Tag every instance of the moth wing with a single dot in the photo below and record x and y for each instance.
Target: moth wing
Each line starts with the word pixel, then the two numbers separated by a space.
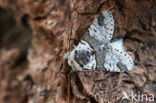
pixel 102 28
pixel 117 44
pixel 76 62
pixel 116 59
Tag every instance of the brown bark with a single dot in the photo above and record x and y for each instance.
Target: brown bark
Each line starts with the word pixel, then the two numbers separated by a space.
pixel 35 35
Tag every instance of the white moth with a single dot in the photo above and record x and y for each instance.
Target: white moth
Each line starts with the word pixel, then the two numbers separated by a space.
pixel 96 51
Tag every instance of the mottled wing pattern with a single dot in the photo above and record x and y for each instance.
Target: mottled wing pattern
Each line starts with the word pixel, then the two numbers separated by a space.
pixel 116 59
pixel 103 27
pixel 82 58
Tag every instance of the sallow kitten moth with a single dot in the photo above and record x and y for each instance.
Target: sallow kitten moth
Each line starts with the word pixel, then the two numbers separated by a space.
pixel 97 51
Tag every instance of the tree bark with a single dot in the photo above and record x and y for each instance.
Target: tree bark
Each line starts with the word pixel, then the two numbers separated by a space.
pixel 35 35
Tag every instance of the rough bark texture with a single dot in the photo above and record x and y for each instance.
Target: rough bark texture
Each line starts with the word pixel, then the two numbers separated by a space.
pixel 35 35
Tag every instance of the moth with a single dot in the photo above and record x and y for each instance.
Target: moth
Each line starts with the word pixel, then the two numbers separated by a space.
pixel 97 50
